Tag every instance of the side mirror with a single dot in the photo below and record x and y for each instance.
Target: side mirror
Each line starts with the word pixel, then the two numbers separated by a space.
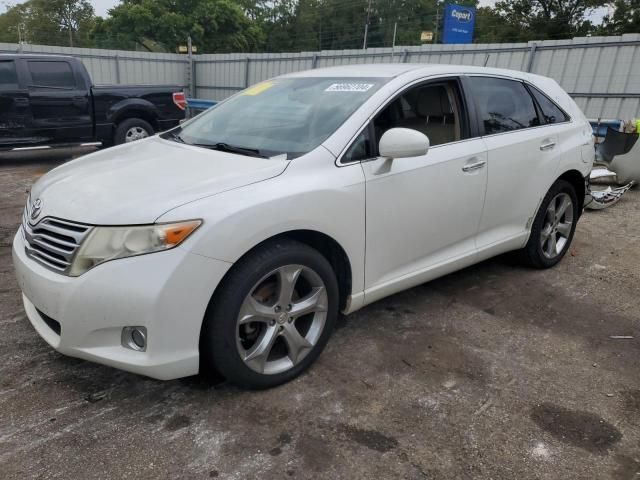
pixel 402 143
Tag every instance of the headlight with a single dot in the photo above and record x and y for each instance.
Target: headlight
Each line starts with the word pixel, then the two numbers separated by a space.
pixel 108 243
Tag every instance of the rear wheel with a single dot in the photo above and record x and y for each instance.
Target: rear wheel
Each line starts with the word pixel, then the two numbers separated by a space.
pixel 553 227
pixel 132 129
pixel 272 316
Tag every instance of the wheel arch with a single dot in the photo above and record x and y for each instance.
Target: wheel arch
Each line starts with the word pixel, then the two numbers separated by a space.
pixel 323 243
pixel 328 248
pixel 575 178
pixel 134 108
pixel 145 115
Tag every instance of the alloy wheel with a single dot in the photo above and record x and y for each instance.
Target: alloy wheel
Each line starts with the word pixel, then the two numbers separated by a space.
pixel 558 224
pixel 281 319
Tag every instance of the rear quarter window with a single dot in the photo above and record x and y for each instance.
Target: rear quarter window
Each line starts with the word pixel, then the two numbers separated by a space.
pixel 551 112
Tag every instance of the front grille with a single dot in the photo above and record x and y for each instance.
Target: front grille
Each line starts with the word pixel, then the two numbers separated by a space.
pixel 53 242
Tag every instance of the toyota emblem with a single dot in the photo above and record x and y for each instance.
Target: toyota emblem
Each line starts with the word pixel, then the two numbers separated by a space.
pixel 36 208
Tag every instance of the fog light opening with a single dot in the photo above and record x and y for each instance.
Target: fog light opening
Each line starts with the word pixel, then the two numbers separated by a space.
pixel 134 338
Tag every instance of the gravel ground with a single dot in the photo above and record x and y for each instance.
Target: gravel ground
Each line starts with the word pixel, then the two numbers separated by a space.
pixel 495 372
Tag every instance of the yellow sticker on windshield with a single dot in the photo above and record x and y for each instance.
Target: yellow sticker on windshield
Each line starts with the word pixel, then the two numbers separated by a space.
pixel 258 88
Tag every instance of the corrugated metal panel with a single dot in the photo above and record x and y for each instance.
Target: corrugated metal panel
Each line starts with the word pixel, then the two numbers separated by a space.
pixel 602 72
pixel 119 66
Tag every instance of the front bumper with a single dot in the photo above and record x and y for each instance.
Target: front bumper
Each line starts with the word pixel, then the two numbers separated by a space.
pixel 166 292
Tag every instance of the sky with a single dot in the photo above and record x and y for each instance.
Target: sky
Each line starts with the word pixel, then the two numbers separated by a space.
pixel 101 7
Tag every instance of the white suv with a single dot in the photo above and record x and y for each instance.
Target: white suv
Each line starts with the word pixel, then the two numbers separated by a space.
pixel 234 241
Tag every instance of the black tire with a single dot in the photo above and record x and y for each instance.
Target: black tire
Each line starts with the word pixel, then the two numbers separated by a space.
pixel 532 254
pixel 124 126
pixel 218 348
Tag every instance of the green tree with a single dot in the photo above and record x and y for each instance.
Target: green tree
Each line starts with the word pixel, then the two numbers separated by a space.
pixel 625 18
pixel 521 20
pixel 214 25
pixel 48 22
pixel 13 24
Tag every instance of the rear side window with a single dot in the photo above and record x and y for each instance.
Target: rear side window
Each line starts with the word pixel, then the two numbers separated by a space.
pixel 550 111
pixel 8 73
pixel 503 105
pixel 51 74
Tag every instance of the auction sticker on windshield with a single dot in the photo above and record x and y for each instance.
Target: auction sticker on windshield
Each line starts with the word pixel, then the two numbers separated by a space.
pixel 349 87
pixel 258 89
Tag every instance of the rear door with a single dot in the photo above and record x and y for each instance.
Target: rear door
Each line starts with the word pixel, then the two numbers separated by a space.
pixel 523 157
pixel 14 106
pixel 60 102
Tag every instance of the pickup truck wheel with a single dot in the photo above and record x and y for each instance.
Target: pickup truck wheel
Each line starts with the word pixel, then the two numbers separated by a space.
pixel 272 316
pixel 553 227
pixel 132 129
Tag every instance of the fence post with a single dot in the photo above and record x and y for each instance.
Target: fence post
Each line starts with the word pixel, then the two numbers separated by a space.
pixel 117 59
pixel 190 78
pixel 193 86
pixel 246 72
pixel 405 55
pixel 532 55
pixel 314 60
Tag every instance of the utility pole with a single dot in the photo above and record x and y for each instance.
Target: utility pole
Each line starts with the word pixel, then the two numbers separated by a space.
pixel 393 44
pixel 435 37
pixel 20 39
pixel 366 26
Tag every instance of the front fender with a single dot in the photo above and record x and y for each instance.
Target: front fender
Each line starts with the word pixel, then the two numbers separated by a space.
pixel 319 197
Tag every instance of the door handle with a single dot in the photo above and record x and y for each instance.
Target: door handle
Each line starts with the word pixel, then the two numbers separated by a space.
pixel 548 145
pixel 22 101
pixel 471 167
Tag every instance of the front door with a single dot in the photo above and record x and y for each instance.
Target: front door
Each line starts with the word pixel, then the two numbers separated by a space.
pixel 422 213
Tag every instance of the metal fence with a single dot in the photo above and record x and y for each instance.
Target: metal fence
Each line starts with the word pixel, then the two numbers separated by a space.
pixel 601 73
pixel 119 67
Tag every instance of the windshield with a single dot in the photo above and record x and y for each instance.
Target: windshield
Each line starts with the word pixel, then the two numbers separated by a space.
pixel 289 116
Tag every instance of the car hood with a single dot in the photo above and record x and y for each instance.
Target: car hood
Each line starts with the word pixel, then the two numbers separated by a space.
pixel 136 183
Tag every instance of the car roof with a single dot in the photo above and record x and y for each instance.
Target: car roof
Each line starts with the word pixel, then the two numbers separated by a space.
pixel 390 70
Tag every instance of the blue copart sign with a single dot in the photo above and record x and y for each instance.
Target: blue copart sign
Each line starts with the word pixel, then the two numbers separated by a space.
pixel 458 24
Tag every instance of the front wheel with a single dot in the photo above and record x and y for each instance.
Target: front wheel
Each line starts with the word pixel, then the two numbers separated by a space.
pixel 553 227
pixel 272 316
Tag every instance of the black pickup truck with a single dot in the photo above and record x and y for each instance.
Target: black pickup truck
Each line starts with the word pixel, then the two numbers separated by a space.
pixel 49 101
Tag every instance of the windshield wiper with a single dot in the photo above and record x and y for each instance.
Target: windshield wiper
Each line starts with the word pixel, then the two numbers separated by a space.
pixel 175 137
pixel 225 147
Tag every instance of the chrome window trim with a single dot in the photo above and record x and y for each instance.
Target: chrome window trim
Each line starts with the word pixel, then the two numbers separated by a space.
pixel 338 162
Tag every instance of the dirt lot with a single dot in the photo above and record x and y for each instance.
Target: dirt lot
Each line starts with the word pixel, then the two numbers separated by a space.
pixel 495 372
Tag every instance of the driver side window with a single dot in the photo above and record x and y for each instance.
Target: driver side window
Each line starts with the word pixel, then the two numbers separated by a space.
pixel 432 109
